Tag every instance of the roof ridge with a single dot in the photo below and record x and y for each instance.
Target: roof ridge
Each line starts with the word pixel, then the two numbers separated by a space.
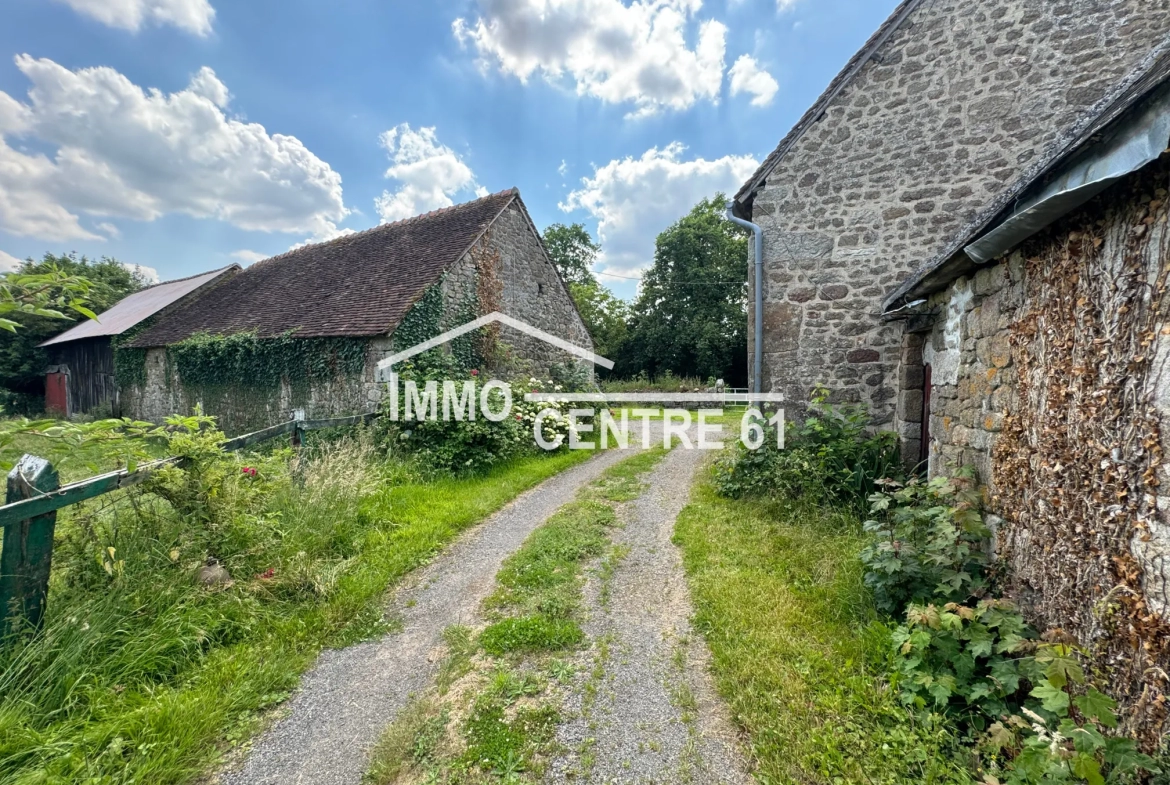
pixel 186 278
pixel 399 223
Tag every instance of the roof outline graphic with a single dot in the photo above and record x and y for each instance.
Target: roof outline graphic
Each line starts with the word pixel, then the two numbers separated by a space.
pixel 484 321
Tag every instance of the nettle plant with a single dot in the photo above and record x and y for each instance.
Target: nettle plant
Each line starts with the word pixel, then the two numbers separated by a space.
pixel 831 455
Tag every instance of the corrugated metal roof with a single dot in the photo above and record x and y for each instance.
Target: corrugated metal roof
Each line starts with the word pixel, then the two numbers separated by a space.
pixel 134 308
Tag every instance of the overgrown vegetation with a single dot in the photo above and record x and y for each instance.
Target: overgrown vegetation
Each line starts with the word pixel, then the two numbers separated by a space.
pixel 829 455
pixel 456 435
pixel 492 715
pixel 798 649
pixel 180 611
pixel 1016 707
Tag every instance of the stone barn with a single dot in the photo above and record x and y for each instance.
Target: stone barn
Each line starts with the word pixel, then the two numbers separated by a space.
pixel 968 234
pixel 1042 331
pixel 306 330
pixel 947 108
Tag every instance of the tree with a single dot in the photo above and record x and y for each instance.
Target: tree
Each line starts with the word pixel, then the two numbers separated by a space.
pixel 690 317
pixel 605 315
pixel 45 298
pixel 573 251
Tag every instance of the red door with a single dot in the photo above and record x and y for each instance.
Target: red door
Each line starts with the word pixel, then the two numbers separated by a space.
pixel 57 394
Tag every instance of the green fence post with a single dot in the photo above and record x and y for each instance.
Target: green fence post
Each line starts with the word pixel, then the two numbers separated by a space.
pixel 28 548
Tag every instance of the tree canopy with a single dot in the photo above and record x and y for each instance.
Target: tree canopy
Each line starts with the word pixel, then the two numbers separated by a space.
pixel 690 317
pixel 573 251
pixel 45 298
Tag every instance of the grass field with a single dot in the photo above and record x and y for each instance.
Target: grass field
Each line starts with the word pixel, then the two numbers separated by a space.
pixel 798 653
pixel 143 675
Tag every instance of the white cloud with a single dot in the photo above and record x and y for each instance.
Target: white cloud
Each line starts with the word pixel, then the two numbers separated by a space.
pixel 563 169
pixel 121 151
pixel 618 53
pixel 747 77
pixel 786 5
pixel 109 229
pixel 148 275
pixel 8 263
pixel 634 199
pixel 249 257
pixel 430 172
pixel 194 16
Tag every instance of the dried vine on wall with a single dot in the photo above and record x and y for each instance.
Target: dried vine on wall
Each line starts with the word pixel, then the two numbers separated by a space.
pixel 489 292
pixel 1075 469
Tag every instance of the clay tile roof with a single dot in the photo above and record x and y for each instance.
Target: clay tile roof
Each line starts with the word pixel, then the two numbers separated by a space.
pixel 358 285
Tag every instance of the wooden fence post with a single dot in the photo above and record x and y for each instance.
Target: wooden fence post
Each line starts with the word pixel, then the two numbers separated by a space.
pixel 28 548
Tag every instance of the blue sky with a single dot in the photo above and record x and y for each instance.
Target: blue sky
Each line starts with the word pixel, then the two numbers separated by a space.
pixel 183 135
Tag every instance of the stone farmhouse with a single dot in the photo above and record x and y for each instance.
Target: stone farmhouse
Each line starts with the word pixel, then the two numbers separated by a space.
pixel 306 329
pixel 968 234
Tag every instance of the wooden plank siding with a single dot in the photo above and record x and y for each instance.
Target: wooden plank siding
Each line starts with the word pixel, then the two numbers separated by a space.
pixel 89 365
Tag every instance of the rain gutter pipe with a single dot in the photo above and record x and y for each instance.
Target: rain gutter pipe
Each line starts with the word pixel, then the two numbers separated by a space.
pixel 758 348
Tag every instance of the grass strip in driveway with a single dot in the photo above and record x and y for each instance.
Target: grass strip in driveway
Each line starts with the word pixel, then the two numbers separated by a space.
pixel 498 713
pixel 798 653
pixel 152 679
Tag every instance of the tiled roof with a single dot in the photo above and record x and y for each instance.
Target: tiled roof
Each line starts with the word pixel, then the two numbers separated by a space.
pixel 358 285
pixel 139 306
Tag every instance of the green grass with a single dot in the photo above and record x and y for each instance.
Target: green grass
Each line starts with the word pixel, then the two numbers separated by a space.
pixel 798 652
pixel 143 676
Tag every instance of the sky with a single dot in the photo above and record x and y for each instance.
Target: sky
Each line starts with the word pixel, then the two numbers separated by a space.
pixel 184 135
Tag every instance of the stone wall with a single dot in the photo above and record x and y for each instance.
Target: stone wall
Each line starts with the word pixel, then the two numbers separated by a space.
pixel 952 107
pixel 531 289
pixel 241 409
pixel 1051 377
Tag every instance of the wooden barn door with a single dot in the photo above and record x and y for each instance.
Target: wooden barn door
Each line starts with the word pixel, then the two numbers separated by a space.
pixel 57 393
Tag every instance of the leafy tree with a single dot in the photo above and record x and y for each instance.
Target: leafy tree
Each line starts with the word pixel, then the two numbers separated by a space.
pixel 690 317
pixel 573 251
pixel 45 298
pixel 605 315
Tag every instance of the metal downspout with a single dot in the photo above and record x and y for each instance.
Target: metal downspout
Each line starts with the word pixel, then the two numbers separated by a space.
pixel 758 348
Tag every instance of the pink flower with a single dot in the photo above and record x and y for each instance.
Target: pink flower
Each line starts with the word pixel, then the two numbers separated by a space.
pixel 474 372
pixel 248 470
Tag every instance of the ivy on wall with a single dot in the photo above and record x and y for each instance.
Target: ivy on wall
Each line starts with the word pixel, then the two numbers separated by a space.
pixel 1075 468
pixel 437 311
pixel 247 361
pixel 129 367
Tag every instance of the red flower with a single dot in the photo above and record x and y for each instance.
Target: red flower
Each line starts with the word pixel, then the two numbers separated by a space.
pixel 248 470
pixel 474 372
pixel 519 418
pixel 268 574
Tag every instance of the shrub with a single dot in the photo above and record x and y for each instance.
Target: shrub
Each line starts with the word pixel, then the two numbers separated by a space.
pixel 830 455
pixel 470 445
pixel 960 659
pixel 929 543
pixel 980 665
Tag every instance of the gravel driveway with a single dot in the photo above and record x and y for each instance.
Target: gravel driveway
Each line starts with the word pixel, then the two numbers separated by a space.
pixel 351 694
pixel 645 709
